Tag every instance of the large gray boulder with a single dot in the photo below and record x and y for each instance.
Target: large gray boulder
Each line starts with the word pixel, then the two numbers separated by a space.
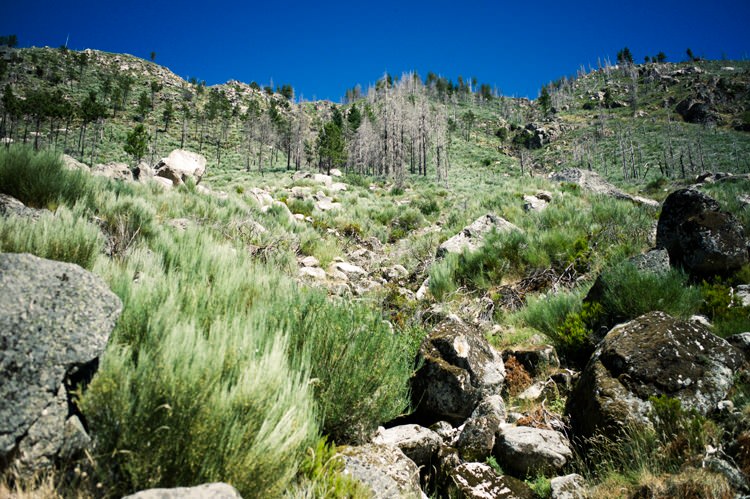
pixel 207 491
pixel 652 355
pixel 458 368
pixel 384 469
pixel 526 451
pixel 181 165
pixel 473 235
pixel 55 321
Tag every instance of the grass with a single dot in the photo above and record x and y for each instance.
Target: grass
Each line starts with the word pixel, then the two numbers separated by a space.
pixel 62 236
pixel 40 180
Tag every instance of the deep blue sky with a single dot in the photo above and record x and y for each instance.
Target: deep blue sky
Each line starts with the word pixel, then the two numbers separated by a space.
pixel 323 49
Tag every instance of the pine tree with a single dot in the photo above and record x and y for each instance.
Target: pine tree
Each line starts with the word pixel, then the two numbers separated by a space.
pixel 545 101
pixel 136 143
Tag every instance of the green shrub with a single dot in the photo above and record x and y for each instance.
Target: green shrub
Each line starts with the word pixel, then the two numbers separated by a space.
pixel 199 408
pixel 61 236
pixel 442 274
pixel 724 309
pixel 629 293
pixel 548 313
pixel 320 476
pixel 39 179
pixel 360 368
pixel 427 205
pixel 126 220
pixel 303 206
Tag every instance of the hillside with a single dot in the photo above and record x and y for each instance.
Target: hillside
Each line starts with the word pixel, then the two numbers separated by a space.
pixel 429 275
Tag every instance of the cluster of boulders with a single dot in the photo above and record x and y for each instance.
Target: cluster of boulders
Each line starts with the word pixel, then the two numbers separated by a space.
pixel 460 422
pixel 172 171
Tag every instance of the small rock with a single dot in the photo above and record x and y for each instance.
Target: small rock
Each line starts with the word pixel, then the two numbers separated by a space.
pixel 479 481
pixel 335 172
pixel 210 490
pixel 315 273
pixel 117 171
pixel 568 487
pixel 384 469
pixel 310 261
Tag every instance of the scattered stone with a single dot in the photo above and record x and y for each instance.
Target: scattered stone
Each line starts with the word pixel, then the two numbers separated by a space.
pixel 418 443
pixel 208 491
pixel 458 369
pixel 472 236
pixel 348 268
pixel 55 320
pixel 315 273
pixel 526 451
pixel 650 356
pixel 533 203
pixel 116 171
pixel 568 487
pixel 337 187
pixel 180 224
pixel 479 481
pixel 421 293
pixel 384 469
pixel 262 198
pixel 742 293
pixel 322 179
pixel 310 261
pixel 181 165
pixel 335 172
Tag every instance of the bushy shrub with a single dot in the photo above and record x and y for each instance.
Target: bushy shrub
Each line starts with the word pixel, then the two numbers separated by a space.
pixel 39 179
pixel 302 206
pixel 61 236
pixel 629 293
pixel 201 407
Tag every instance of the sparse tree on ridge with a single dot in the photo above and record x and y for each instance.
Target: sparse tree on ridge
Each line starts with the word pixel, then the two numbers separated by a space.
pixel 545 101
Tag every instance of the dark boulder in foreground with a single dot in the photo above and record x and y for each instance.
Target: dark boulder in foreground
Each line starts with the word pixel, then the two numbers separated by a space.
pixel 652 355
pixel 55 321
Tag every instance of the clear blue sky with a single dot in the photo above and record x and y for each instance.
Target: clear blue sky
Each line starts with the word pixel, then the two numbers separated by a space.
pixel 324 48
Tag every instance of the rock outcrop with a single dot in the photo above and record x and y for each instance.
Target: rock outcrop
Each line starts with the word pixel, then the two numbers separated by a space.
pixel 472 236
pixel 652 355
pixel 55 321
pixel 10 206
pixel 116 171
pixel 458 369
pixel 181 165
pixel 593 182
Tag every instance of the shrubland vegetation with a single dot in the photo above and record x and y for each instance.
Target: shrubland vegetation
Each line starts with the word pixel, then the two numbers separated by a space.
pixel 224 366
